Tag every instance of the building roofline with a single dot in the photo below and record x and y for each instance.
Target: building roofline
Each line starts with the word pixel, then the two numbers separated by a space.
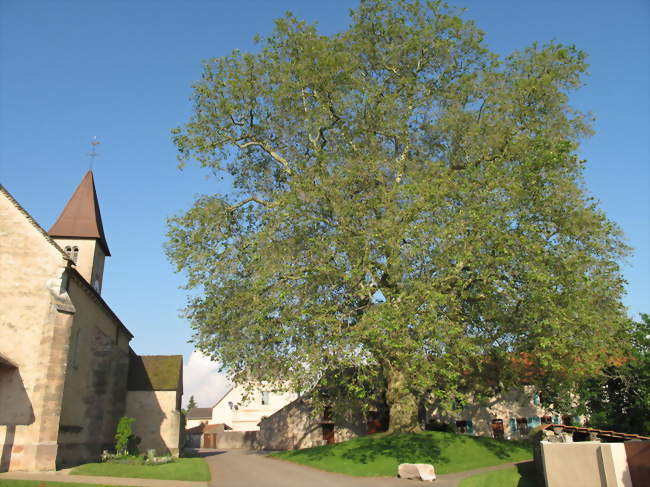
pixel 224 396
pixel 34 223
pixel 93 293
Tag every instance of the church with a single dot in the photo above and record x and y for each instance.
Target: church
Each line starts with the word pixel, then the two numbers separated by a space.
pixel 67 371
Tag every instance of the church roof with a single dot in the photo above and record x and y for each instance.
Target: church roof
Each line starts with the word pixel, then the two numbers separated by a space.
pixel 155 372
pixel 81 216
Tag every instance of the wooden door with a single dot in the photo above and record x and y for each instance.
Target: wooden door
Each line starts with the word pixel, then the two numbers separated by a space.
pixel 328 433
pixel 497 428
pixel 209 440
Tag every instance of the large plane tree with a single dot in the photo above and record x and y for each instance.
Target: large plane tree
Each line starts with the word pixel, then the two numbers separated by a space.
pixel 406 205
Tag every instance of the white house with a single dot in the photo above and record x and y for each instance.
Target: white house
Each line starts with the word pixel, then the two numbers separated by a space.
pixel 243 412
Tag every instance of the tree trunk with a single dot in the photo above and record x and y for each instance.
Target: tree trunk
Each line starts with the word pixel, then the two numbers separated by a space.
pixel 402 403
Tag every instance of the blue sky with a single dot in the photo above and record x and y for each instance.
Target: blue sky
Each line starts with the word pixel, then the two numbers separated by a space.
pixel 122 70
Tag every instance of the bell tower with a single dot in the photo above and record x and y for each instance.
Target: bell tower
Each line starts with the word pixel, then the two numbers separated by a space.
pixel 80 233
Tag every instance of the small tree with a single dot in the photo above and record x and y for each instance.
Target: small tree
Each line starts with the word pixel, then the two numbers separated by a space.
pixel 191 404
pixel 125 440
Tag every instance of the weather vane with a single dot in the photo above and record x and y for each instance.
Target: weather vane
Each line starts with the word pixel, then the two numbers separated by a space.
pixel 93 152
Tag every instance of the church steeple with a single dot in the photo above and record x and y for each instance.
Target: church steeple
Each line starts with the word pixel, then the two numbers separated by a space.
pixel 79 231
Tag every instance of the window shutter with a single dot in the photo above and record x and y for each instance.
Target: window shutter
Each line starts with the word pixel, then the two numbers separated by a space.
pixel 556 419
pixel 470 427
pixel 513 426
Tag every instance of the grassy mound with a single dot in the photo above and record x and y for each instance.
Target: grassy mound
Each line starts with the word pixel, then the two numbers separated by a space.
pixel 179 469
pixel 524 475
pixel 380 454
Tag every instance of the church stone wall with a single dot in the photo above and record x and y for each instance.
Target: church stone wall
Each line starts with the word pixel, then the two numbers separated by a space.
pixel 96 382
pixel 157 420
pixel 35 320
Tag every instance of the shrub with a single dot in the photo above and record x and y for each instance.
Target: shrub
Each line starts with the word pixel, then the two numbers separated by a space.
pixel 126 443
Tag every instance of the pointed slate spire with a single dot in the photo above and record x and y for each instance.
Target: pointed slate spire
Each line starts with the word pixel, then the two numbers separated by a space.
pixel 81 217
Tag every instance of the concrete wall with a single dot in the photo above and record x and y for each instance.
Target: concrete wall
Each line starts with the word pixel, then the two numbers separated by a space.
pixel 296 426
pixel 235 440
pixel 157 420
pixel 95 387
pixel 585 464
pixel 35 322
pixel 243 413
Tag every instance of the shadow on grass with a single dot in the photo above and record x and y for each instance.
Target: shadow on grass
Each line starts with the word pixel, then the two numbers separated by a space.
pixel 445 450
pixel 403 448
pixel 530 477
pixel 501 449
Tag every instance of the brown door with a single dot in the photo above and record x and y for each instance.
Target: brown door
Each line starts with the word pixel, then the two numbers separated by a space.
pixel 328 433
pixel 497 428
pixel 208 440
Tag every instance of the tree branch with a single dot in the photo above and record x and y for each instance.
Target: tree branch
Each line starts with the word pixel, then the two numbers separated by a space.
pixel 252 199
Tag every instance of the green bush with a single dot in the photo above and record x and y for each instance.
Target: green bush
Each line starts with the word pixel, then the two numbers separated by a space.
pixel 126 443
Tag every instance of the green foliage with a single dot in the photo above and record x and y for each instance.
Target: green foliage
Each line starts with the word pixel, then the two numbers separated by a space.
pixel 406 205
pixel 180 469
pixel 619 399
pixel 126 443
pixel 380 454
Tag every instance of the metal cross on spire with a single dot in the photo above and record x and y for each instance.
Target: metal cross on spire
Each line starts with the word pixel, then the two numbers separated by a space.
pixel 93 152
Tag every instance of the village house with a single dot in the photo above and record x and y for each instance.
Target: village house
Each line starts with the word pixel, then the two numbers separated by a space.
pixel 67 372
pixel 233 421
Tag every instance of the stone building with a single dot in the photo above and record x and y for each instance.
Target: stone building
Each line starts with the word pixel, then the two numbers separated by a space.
pixel 297 426
pixel 511 415
pixel 64 354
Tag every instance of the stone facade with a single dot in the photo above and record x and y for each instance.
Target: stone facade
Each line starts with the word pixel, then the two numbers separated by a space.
pixel 512 414
pixel 64 354
pixel 297 426
pixel 37 316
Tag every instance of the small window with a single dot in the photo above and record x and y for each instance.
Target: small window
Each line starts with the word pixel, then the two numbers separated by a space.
pixel 547 420
pixel 265 399
pixel 522 426
pixel 497 428
pixel 461 426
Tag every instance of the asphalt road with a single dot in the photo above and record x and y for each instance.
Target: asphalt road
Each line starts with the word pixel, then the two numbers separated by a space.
pixel 241 468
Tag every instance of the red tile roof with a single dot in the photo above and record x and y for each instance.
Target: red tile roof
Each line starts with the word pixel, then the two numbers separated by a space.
pixel 81 216
pixel 608 433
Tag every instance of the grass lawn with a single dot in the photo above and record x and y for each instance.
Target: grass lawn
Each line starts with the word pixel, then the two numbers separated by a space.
pixel 521 476
pixel 380 454
pixel 181 469
pixel 40 483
